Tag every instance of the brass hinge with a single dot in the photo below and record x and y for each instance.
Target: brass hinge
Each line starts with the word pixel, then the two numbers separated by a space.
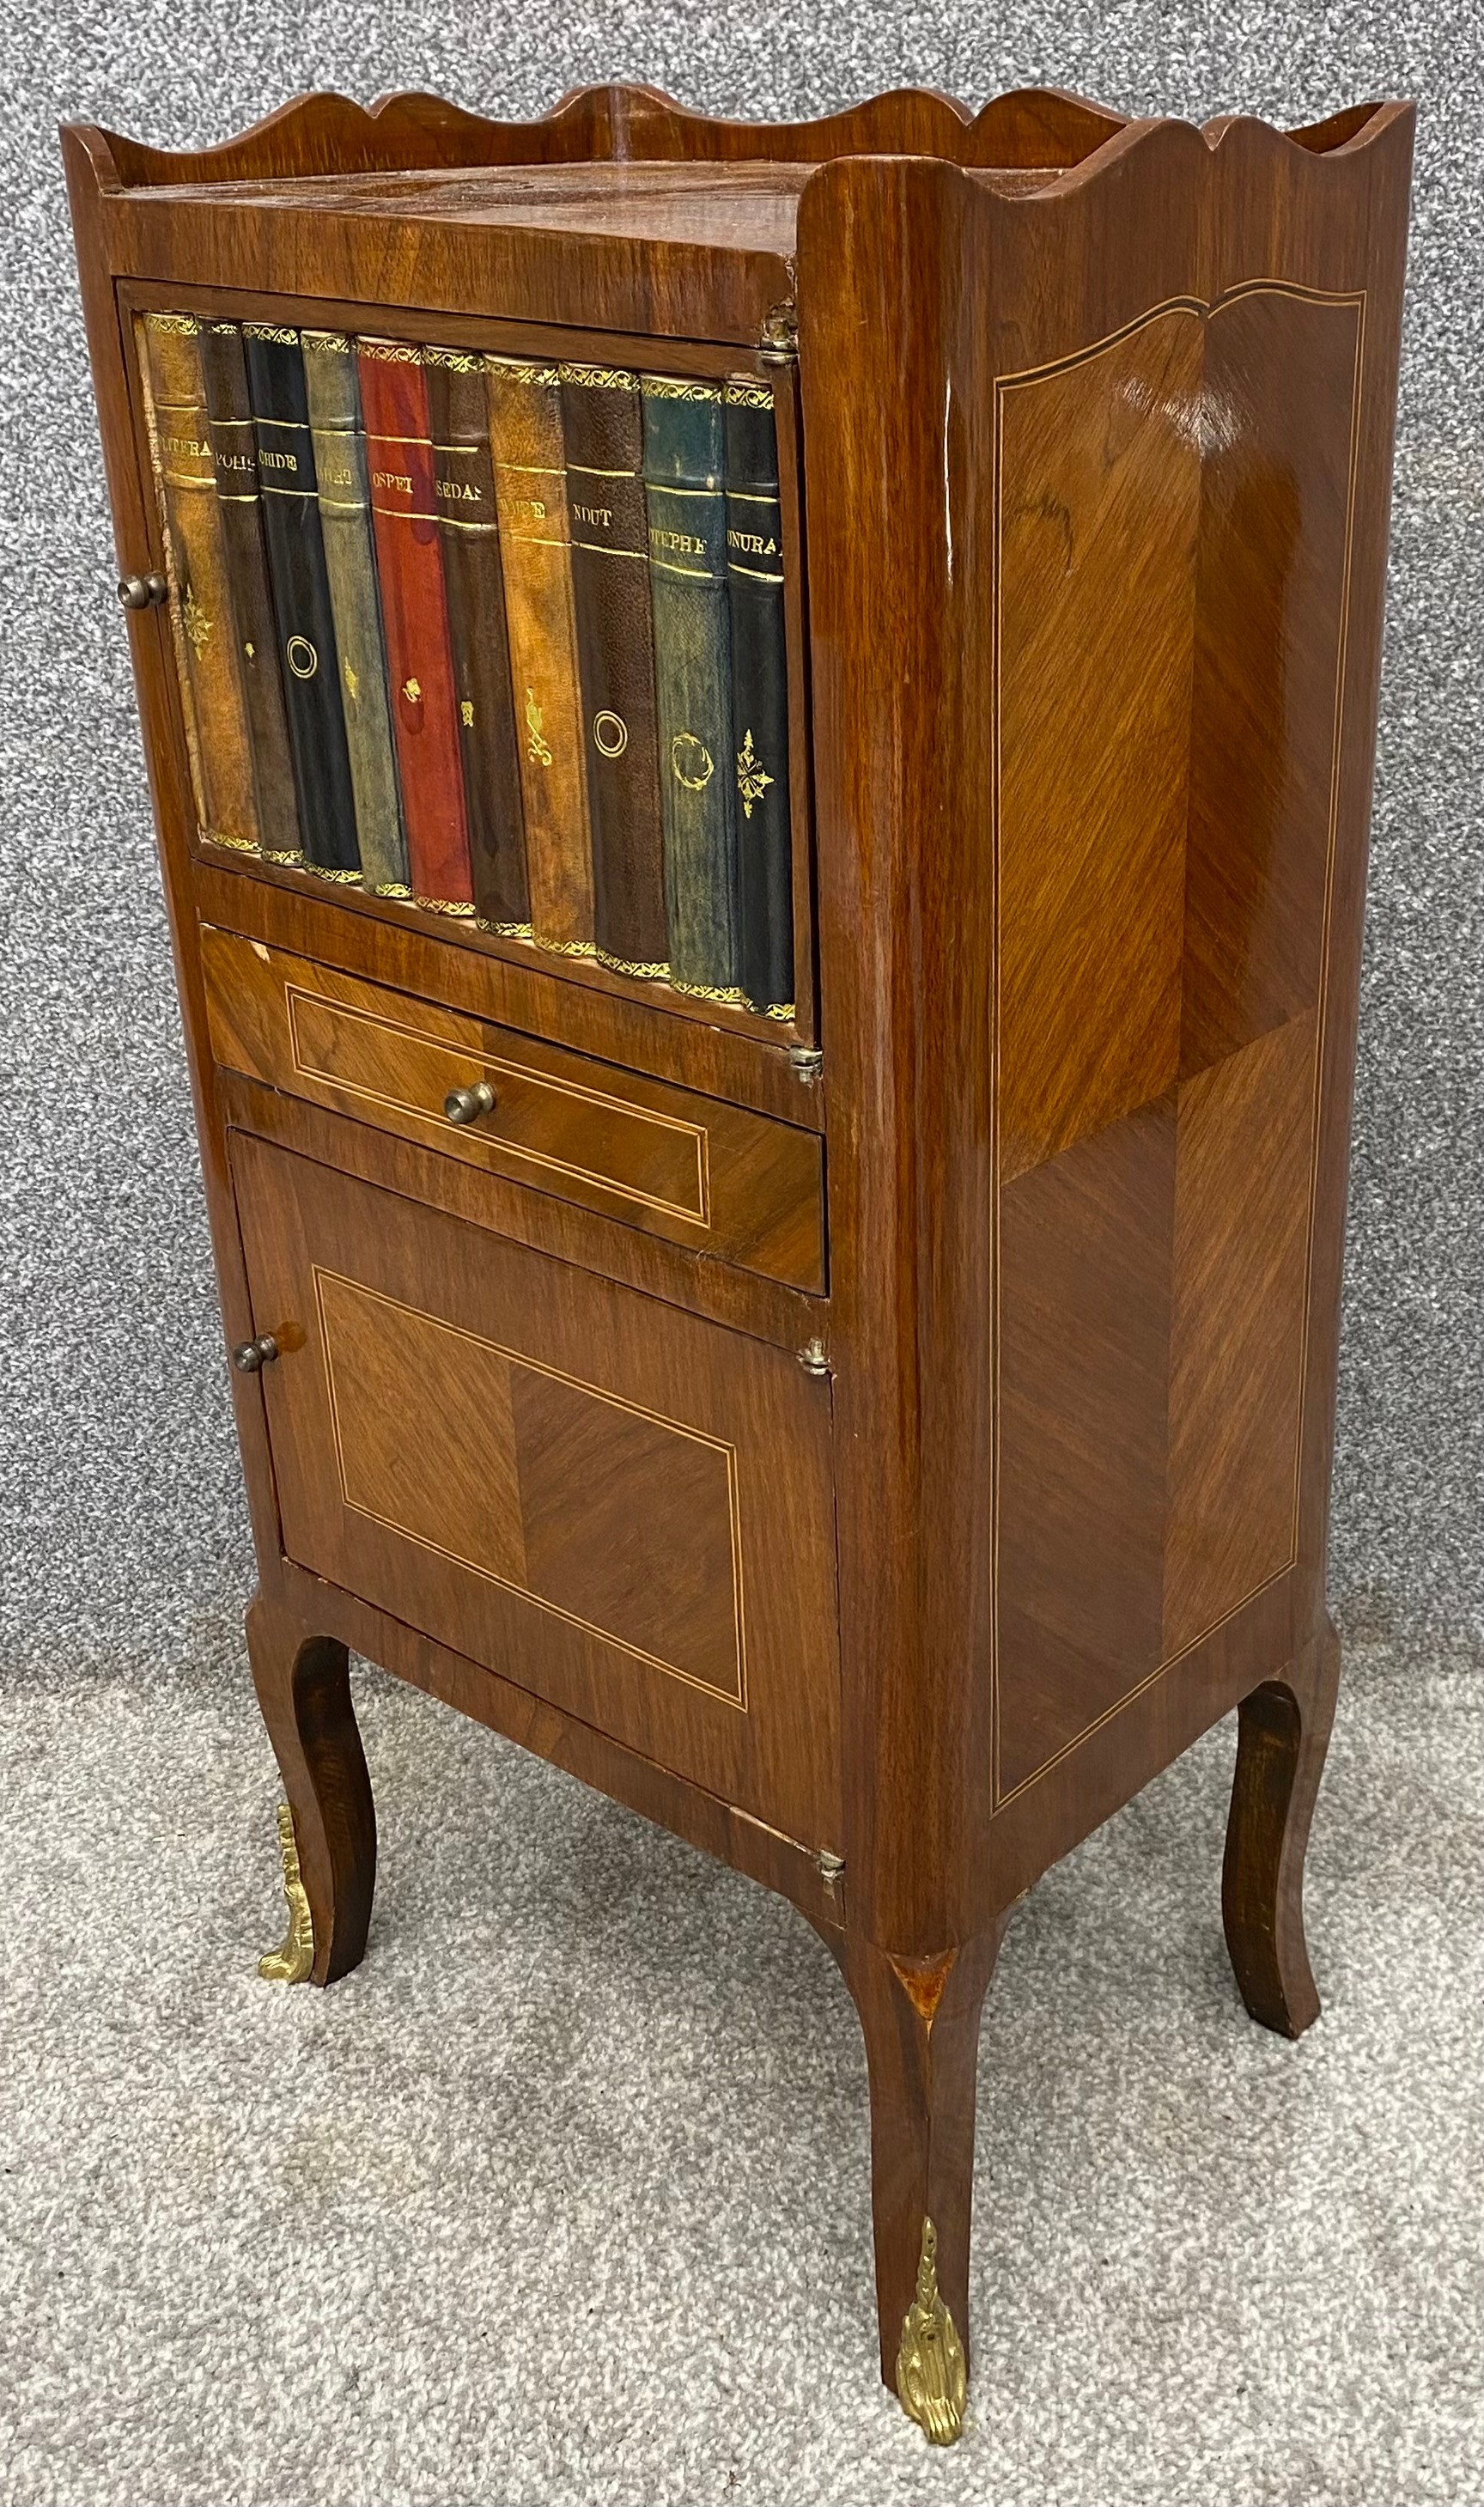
pixel 831 1869
pixel 813 1358
pixel 805 1061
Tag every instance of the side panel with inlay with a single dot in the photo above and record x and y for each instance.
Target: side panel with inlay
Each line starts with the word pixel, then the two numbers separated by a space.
pixel 1174 506
pixel 621 1507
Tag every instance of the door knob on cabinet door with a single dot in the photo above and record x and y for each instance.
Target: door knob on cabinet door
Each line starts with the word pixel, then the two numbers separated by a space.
pixel 143 591
pixel 466 1105
pixel 249 1356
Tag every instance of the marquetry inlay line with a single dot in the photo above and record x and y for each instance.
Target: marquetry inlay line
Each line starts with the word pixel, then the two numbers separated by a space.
pixel 1359 300
pixel 324 1277
pixel 1206 310
pixel 297 996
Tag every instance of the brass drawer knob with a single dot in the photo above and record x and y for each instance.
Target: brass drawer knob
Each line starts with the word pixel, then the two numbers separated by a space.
pixel 466 1105
pixel 143 591
pixel 251 1355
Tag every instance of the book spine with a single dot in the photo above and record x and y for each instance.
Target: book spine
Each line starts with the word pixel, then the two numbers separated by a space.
pixel 234 453
pixel 172 579
pixel 684 492
pixel 525 439
pixel 301 610
pixel 607 522
pixel 415 615
pixel 474 584
pixel 201 614
pixel 759 700
pixel 345 520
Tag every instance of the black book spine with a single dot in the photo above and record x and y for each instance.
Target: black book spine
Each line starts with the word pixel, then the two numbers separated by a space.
pixel 301 605
pixel 234 452
pixel 759 700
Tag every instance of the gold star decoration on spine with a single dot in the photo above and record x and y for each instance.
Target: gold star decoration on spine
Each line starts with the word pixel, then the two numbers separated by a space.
pixel 194 619
pixel 752 780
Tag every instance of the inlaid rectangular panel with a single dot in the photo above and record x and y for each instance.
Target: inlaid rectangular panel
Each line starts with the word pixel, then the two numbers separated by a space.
pixel 621 1522
pixel 622 1508
pixel 715 1177
pixel 1165 851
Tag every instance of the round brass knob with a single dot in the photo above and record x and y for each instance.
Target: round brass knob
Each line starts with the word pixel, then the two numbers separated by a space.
pixel 466 1105
pixel 143 591
pixel 251 1355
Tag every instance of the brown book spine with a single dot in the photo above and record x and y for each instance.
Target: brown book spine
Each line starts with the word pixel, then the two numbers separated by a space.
pixel 234 452
pixel 525 439
pixel 212 688
pixel 606 518
pixel 474 584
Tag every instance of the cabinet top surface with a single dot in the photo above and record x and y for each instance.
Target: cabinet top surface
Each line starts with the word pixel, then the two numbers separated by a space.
pixel 748 207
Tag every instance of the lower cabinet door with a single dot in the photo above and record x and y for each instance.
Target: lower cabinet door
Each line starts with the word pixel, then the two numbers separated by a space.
pixel 616 1505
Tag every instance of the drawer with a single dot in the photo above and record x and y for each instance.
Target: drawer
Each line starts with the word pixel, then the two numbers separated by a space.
pixel 718 1179
pixel 621 1507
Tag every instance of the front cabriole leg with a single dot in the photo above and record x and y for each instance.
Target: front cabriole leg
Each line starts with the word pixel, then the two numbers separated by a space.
pixel 327 1827
pixel 920 2022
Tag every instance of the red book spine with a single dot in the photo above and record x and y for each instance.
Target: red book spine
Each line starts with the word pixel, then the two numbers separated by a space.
pixel 415 614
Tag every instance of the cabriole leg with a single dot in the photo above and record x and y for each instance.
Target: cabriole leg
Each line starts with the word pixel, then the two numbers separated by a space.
pixel 303 1690
pixel 921 2021
pixel 1282 1735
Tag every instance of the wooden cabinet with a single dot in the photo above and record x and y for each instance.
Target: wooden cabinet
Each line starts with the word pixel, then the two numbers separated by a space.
pixel 873 1437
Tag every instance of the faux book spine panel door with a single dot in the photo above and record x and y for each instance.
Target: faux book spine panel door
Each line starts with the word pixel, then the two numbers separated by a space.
pixel 1160 1005
pixel 619 1507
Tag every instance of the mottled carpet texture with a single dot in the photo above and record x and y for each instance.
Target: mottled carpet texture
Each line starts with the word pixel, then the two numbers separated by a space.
pixel 563 2198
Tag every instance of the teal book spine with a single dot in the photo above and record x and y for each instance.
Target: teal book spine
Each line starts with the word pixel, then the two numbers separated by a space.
pixel 685 500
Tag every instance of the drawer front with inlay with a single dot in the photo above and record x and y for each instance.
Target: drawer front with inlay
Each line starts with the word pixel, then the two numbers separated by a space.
pixel 618 1506
pixel 713 1177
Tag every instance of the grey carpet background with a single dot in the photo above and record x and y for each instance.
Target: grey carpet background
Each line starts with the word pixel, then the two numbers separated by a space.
pixel 563 2195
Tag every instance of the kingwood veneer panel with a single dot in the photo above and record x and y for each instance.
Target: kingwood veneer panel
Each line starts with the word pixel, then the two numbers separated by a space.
pixel 1164 859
